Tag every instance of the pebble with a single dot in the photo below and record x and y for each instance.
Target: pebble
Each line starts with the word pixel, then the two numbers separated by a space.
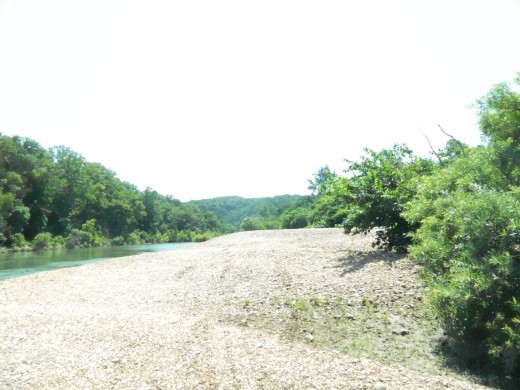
pixel 379 386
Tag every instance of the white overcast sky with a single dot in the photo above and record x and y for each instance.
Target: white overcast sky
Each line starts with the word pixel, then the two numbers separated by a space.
pixel 199 99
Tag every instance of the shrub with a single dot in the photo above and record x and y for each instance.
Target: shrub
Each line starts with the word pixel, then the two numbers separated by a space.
pixel 76 238
pixel 18 242
pixel 184 236
pixel 134 238
pixel 373 195
pixel 160 238
pixel 200 237
pixel 295 219
pixel 92 236
pixel 42 241
pixel 469 245
pixel 118 241
pixel 251 223
pixel 271 223
pixel 58 242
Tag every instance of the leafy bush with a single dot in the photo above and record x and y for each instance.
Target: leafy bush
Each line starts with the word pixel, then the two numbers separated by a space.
pixel 272 223
pixel 88 236
pixel 92 236
pixel 134 238
pixel 118 241
pixel 373 195
pixel 76 239
pixel 18 242
pixel 469 245
pixel 200 237
pixel 42 241
pixel 330 206
pixel 158 238
pixel 184 236
pixel 295 219
pixel 251 223
pixel 469 239
pixel 58 242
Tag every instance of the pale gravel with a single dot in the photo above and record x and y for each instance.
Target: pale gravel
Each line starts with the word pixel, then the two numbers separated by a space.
pixel 168 320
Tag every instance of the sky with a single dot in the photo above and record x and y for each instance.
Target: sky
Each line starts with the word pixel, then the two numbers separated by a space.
pixel 198 99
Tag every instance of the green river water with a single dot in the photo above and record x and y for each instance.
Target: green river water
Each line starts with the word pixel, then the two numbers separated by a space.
pixel 13 265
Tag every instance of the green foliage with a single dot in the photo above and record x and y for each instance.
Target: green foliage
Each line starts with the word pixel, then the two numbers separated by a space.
pixel 18 242
pixel 469 240
pixel 76 239
pixel 184 236
pixel 42 241
pixel 201 237
pixel 330 207
pixel 93 236
pixel 499 113
pixel 118 241
pixel 296 218
pixel 251 223
pixel 58 192
pixel 23 187
pixel 232 210
pixel 134 238
pixel 469 245
pixel 321 182
pixel 372 195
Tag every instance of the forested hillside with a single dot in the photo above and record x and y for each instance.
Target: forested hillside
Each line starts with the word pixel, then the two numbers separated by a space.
pixel 259 213
pixel 54 198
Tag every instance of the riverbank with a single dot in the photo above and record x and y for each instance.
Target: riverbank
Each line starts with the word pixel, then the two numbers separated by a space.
pixel 19 264
pixel 107 244
pixel 311 309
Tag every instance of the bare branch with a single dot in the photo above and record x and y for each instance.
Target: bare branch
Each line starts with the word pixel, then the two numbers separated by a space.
pixel 433 150
pixel 461 145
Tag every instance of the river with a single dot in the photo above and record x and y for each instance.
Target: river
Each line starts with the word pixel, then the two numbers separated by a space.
pixel 13 265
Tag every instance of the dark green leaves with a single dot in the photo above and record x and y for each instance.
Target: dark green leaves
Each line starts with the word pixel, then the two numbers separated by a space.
pixel 372 195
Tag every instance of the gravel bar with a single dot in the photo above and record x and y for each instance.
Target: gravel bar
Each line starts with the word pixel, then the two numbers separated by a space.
pixel 162 320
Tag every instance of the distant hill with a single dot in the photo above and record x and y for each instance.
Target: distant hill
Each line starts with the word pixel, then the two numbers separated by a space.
pixel 232 210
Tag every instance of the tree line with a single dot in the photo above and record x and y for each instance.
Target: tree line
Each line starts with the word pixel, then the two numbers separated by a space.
pixel 55 198
pixel 457 213
pixel 277 212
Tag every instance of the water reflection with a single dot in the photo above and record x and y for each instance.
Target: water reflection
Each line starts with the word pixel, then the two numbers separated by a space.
pixel 13 265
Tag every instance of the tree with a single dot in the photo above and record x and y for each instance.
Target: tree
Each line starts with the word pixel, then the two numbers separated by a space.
pixel 65 179
pixel 321 181
pixel 373 193
pixel 251 223
pixel 295 218
pixel 24 166
pixel 499 113
pixel 330 207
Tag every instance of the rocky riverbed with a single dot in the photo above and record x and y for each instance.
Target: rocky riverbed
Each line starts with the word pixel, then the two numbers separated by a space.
pixel 286 309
